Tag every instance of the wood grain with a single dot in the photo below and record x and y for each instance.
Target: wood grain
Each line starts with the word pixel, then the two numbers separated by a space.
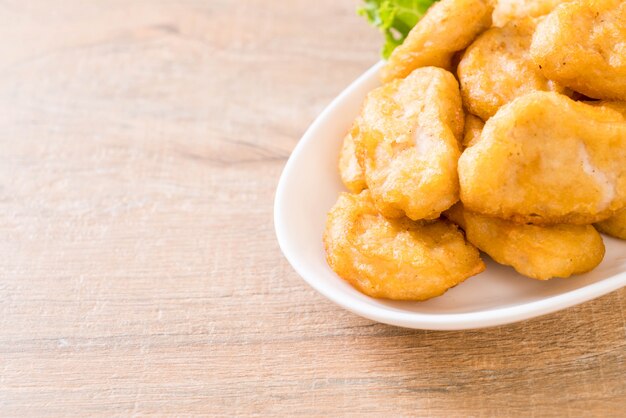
pixel 141 143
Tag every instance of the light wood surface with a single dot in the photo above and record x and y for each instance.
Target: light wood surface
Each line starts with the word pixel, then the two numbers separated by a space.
pixel 140 145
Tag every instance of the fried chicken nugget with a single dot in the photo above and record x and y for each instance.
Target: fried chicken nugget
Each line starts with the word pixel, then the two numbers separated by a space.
pixel 615 226
pixel 473 128
pixel 547 159
pixel 497 68
pixel 406 140
pixel 539 252
pixel 582 45
pixel 506 11
pixel 349 169
pixel 395 258
pixel 448 26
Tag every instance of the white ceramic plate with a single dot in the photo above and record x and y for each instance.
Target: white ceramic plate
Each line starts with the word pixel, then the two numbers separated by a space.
pixel 309 187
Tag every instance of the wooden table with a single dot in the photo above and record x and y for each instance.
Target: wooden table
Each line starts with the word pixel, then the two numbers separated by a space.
pixel 141 143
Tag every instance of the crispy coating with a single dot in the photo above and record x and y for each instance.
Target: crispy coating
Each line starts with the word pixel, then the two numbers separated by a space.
pixel 506 11
pixel 473 128
pixel 615 226
pixel 547 159
pixel 497 68
pixel 448 26
pixel 539 252
pixel 395 258
pixel 407 139
pixel 582 45
pixel 349 169
pixel 614 105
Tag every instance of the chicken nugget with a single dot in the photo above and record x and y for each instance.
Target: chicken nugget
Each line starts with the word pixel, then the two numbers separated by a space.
pixel 395 258
pixel 448 26
pixel 506 11
pixel 406 140
pixel 497 68
pixel 582 45
pixel 349 169
pixel 473 128
pixel 546 159
pixel 615 226
pixel 539 252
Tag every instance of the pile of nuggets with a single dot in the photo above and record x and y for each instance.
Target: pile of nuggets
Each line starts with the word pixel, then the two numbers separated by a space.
pixel 499 127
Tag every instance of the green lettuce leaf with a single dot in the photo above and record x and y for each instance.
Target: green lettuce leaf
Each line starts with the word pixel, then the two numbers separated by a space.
pixel 394 18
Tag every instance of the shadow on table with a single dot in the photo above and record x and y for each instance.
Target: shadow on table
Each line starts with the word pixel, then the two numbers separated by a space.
pixel 560 364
